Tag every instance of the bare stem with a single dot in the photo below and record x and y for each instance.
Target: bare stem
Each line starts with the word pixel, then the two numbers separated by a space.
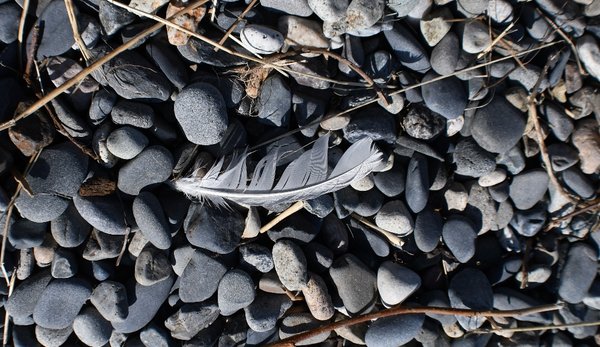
pixel 297 206
pixel 237 21
pixel 399 310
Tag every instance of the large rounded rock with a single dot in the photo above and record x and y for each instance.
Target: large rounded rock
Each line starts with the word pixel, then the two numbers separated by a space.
pixel 498 126
pixel 91 328
pixel 60 303
pixel 152 166
pixel 470 289
pixel 529 187
pixel 236 291
pixel 201 113
pixel 355 282
pixel 446 97
pixel 578 273
pixel 56 175
pixel 200 278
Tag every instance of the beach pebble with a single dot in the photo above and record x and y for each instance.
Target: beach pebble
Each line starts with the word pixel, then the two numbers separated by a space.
pixel 113 18
pixel 152 165
pixel 60 302
pixel 355 283
pixel 396 283
pixel 200 279
pixel 578 273
pixel 317 298
pixel 294 7
pixel 132 113
pixel 261 39
pixel 141 311
pixel 497 134
pixel 428 229
pixel 91 328
pixel 435 25
pixel 422 123
pixel 265 310
pixel 407 49
pixel 470 289
pixel 256 257
pixel 201 112
pixel 446 97
pixel 110 299
pixel 395 217
pixel 235 292
pixel 459 236
pixel 417 183
pixel 472 160
pixel 102 212
pixel 190 319
pixel 475 37
pixel 126 142
pixel 382 332
pixel 151 266
pixel 57 36
pixel 207 227
pixel 588 50
pixel 529 187
pixel 290 264
pixel 151 220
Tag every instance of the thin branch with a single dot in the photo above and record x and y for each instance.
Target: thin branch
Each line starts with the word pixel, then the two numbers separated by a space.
pixel 556 222
pixel 400 310
pixel 489 48
pixel 567 39
pixel 21 32
pixel 75 28
pixel 536 328
pixel 391 237
pixel 85 72
pixel 11 286
pixel 237 21
pixel 297 206
pixel 416 85
pixel 533 116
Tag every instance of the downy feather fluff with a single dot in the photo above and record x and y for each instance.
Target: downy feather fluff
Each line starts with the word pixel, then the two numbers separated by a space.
pixel 304 178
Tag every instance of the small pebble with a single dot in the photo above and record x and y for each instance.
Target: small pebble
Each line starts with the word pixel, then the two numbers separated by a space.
pixel 459 236
pixel 151 266
pixel 151 220
pixel 261 39
pixel 152 165
pixel 470 289
pixel 133 113
pixel 60 303
pixel 126 142
pixel 235 292
pixel 383 333
pixel 355 283
pixel 497 134
pixel 578 273
pixel 428 230
pixel 317 298
pixel 396 283
pixel 110 299
pixel 529 187
pixel 395 217
pixel 290 264
pixel 200 279
pixel 91 328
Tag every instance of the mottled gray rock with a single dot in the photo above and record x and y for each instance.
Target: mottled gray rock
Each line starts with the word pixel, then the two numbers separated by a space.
pixel 110 299
pixel 459 236
pixel 317 298
pixel 265 310
pixel 355 283
pixel 200 278
pixel 202 114
pixel 209 228
pixel 151 266
pixel 470 289
pixel 472 160
pixel 290 264
pixel 395 217
pixel 190 319
pixel 126 142
pixel 235 292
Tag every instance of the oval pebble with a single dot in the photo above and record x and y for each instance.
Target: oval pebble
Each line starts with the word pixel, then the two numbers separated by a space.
pixel 396 283
pixel 91 328
pixel 428 230
pixel 290 264
pixel 355 282
pixel 527 188
pixel 126 142
pixel 578 273
pixel 151 220
pixel 470 289
pixel 202 114
pixel 200 278
pixel 317 298
pixel 152 165
pixel 446 97
pixel 235 292
pixel 261 39
pixel 384 332
pixel 459 236
pixel 497 134
pixel 60 303
pixel 395 217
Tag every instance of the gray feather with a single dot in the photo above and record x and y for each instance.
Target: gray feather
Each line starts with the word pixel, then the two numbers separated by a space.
pixel 304 178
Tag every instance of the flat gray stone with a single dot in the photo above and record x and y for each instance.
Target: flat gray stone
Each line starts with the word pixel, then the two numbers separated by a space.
pixel 60 303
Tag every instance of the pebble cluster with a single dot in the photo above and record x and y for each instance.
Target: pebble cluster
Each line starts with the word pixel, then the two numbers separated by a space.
pixel 107 253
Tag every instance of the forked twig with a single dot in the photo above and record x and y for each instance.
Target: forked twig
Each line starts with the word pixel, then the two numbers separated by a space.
pixel 400 310
pixel 94 66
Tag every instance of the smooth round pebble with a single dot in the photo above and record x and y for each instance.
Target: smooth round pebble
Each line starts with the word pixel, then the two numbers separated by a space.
pixel 497 134
pixel 384 332
pixel 395 217
pixel 428 230
pixel 356 284
pixel 396 283
pixel 200 278
pixel 261 39
pixel 446 97
pixel 126 142
pixel 91 328
pixel 459 236
pixel 527 188
pixel 578 273
pixel 151 266
pixel 235 291
pixel 110 299
pixel 290 264
pixel 317 298
pixel 202 114
pixel 152 165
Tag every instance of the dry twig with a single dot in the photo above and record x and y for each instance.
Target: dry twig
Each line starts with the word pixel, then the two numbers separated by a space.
pixel 536 328
pixel 75 28
pixel 399 310
pixel 237 21
pixel 594 205
pixel 21 31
